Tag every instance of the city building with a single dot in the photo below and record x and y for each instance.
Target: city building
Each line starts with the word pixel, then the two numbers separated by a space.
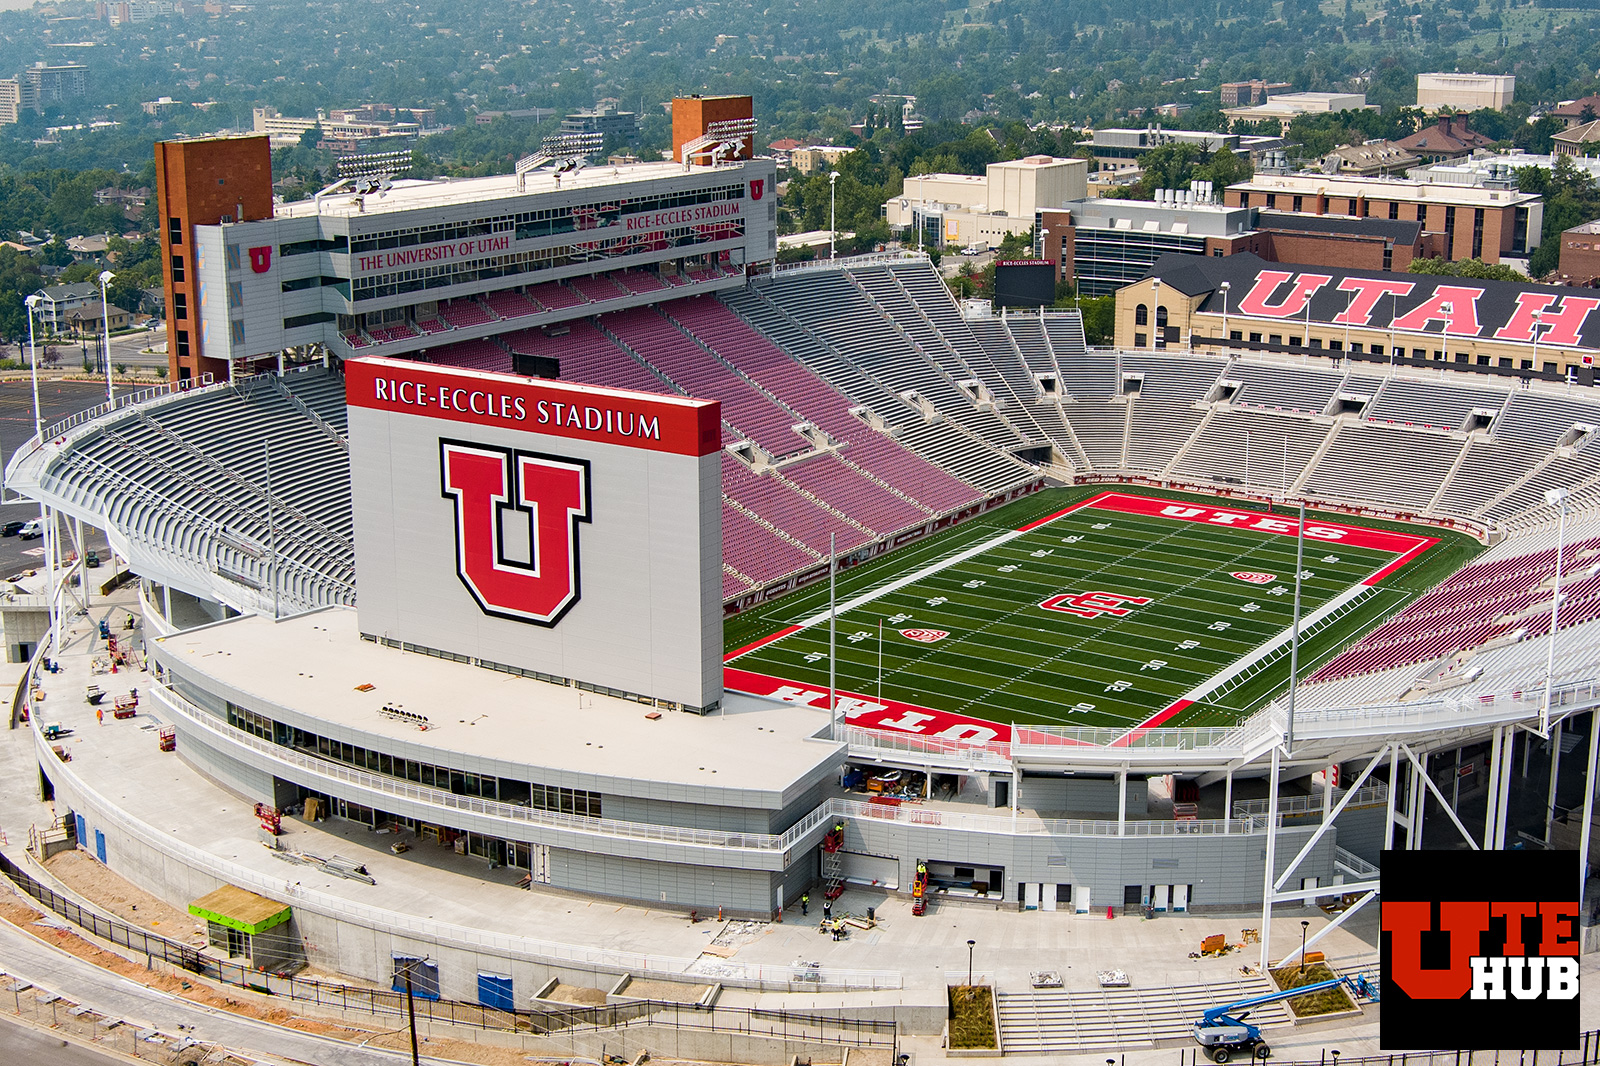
pixel 1286 107
pixel 1477 221
pixel 1246 93
pixel 16 96
pixel 1449 138
pixel 1577 112
pixel 348 130
pixel 1580 254
pixel 160 107
pixel 1243 303
pixel 1101 245
pixel 405 272
pixel 532 114
pixel 1464 92
pixel 1580 140
pixel 1373 159
pixel 1116 146
pixel 817 157
pixel 606 121
pixel 968 210
pixel 56 84
pixel 693 116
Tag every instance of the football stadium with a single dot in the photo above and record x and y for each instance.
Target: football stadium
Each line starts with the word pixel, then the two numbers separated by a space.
pixel 539 538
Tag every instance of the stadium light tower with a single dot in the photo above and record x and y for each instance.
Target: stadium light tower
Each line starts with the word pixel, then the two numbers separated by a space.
pixel 33 303
pixel 105 317
pixel 1537 316
pixel 833 222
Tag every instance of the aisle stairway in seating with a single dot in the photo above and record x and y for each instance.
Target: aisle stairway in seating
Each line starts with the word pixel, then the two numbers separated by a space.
pixel 1060 1020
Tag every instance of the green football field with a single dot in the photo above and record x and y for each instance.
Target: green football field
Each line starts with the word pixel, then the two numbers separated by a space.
pixel 1113 614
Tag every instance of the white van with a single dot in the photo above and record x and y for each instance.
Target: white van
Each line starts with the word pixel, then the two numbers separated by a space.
pixel 31 530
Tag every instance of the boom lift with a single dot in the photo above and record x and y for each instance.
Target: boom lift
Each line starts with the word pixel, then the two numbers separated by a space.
pixel 1224 1033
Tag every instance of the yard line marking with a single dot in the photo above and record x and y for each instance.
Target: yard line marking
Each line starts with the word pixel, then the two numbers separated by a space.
pixel 912 578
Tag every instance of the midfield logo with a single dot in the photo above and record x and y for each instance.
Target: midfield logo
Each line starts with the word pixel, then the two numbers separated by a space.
pixel 1094 604
pixel 927 636
pixel 1478 946
pixel 548 495
pixel 1255 577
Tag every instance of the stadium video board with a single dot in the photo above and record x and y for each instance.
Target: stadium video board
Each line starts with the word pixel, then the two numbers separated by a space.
pixel 567 530
pixel 1024 283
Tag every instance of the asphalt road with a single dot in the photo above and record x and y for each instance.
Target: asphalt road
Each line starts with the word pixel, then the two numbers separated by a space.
pixel 22 1043
pixel 57 400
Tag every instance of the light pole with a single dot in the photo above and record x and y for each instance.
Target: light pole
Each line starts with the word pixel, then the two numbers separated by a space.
pixel 1556 498
pixel 1394 313
pixel 1304 927
pixel 970 945
pixel 1226 336
pixel 1537 315
pixel 1156 340
pixel 45 517
pixel 1307 344
pixel 105 317
pixel 1247 462
pixel 33 303
pixel 833 223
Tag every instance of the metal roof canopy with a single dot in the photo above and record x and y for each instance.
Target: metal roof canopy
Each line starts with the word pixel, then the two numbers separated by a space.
pixel 240 909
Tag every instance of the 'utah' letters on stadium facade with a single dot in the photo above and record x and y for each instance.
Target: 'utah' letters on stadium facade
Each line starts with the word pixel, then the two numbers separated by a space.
pixel 1456 310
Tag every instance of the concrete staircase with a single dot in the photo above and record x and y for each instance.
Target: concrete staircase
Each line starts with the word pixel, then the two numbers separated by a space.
pixel 1046 1021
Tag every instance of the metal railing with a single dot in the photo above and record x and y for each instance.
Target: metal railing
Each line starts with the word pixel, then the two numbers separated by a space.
pixel 1588 1052
pixel 771 1023
pixel 399 789
pixel 800 977
pixel 1366 796
pixel 129 399
pixel 869 259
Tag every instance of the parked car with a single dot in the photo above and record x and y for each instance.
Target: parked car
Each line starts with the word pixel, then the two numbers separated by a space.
pixel 32 529
pixel 11 529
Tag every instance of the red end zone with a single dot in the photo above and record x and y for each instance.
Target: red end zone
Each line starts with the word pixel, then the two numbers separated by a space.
pixel 936 730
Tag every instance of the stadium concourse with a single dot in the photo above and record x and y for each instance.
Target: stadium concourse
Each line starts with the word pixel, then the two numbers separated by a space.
pixel 1080 515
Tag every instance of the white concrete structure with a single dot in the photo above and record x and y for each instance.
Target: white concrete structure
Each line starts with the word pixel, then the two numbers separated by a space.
pixel 965 209
pixel 1464 92
pixel 1285 108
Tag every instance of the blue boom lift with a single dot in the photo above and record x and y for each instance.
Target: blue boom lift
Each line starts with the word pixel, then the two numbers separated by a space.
pixel 1225 1033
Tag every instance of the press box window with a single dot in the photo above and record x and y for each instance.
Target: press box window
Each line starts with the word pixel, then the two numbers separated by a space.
pixel 174 231
pixel 180 305
pixel 317 318
pixel 235 294
pixel 177 268
pixel 232 257
pixel 238 332
pixel 183 344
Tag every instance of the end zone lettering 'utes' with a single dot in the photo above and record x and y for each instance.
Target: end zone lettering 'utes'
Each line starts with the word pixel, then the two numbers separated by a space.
pixel 568 531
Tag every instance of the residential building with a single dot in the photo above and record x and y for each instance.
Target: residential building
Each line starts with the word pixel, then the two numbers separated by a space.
pixel 1464 92
pixel 817 157
pixel 782 150
pixel 1459 222
pixel 606 121
pixel 1450 137
pixel 57 84
pixel 1580 140
pixel 1580 254
pixel 1102 245
pixel 90 248
pixel 1242 303
pixel 16 96
pixel 1372 159
pixel 1577 112
pixel 92 320
pixel 58 302
pixel 1247 93
pixel 967 209
pixel 1286 107
pixel 160 107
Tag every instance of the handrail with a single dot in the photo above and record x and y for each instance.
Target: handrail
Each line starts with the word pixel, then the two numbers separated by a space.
pixel 730 971
pixel 644 831
pixel 865 259
pixel 1365 796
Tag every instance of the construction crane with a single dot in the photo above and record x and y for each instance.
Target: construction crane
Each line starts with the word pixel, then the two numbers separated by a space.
pixel 1225 1033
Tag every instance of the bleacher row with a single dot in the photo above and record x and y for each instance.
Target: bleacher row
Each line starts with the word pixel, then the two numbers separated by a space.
pixel 860 486
pixel 192 474
pixel 511 304
pixel 1477 604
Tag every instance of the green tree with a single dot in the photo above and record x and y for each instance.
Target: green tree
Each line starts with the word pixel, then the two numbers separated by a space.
pixel 1099 319
pixel 1466 268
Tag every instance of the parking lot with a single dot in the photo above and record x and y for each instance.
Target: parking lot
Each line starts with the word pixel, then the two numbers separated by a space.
pixel 57 400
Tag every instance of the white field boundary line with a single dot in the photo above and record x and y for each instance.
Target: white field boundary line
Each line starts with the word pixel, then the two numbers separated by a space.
pixel 1349 595
pixel 932 568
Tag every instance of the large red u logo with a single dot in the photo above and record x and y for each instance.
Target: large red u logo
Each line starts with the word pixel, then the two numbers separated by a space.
pixel 491 485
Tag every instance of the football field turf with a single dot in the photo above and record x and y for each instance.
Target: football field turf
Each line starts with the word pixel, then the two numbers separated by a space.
pixel 1117 608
